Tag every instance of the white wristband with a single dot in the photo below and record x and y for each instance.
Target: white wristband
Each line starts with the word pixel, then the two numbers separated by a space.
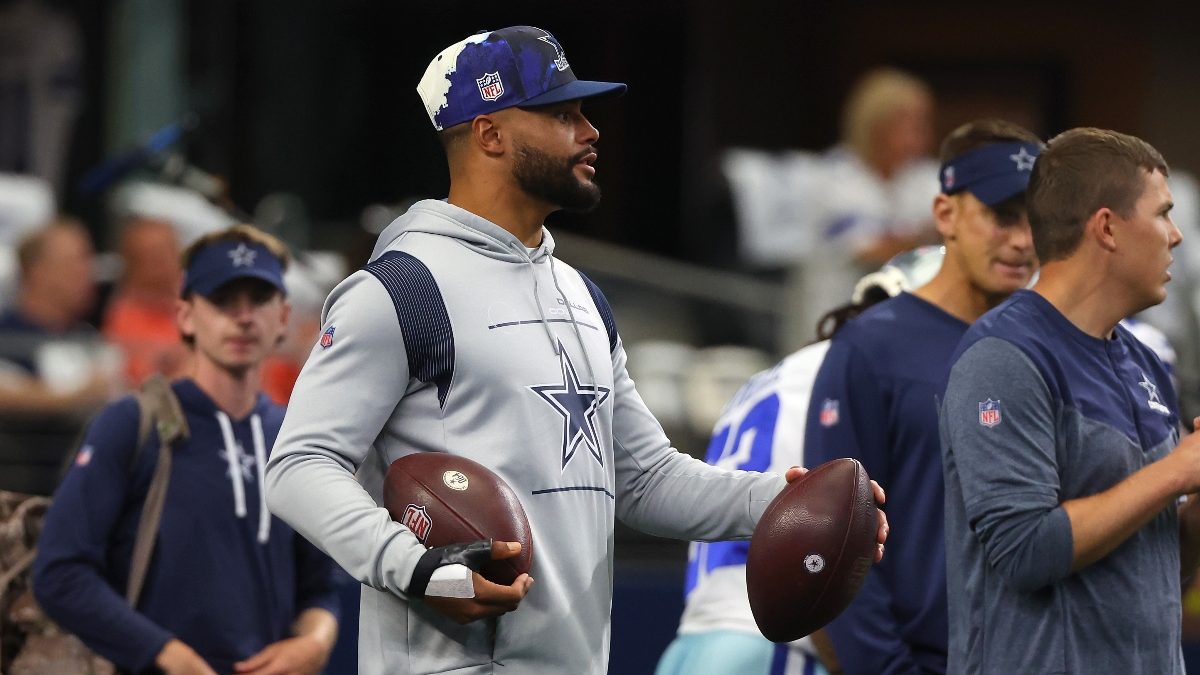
pixel 451 581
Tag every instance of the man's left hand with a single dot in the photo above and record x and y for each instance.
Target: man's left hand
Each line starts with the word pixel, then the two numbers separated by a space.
pixel 796 472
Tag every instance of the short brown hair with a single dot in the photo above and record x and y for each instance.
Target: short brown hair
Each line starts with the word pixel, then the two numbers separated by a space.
pixel 1082 171
pixel 979 133
pixel 31 248
pixel 240 232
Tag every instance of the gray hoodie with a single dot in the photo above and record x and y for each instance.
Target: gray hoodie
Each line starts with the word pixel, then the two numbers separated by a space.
pixel 456 338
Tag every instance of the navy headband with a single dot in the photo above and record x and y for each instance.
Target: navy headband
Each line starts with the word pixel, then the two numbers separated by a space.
pixel 220 262
pixel 993 173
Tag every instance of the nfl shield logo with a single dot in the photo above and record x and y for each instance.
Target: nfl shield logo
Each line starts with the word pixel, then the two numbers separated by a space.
pixel 989 413
pixel 417 520
pixel 327 338
pixel 490 86
pixel 829 412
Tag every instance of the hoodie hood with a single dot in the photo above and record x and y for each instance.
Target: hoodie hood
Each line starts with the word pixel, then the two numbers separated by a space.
pixel 436 216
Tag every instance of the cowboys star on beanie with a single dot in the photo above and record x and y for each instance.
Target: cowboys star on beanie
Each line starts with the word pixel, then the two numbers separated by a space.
pixel 490 71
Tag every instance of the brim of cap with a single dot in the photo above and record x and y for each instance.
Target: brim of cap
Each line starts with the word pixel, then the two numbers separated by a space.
pixel 992 191
pixel 573 91
pixel 207 287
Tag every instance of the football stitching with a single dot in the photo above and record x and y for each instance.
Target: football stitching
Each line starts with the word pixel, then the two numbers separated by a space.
pixel 507 561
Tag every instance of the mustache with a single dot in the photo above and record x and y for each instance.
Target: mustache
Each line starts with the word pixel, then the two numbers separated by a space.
pixel 578 157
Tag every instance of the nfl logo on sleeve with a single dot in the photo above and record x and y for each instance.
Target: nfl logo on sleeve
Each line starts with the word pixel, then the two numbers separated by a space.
pixel 989 413
pixel 829 412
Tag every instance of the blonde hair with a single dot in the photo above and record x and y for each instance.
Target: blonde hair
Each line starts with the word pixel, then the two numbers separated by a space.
pixel 875 97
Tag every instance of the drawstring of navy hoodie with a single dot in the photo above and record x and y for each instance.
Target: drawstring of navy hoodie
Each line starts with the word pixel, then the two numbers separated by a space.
pixel 566 302
pixel 234 455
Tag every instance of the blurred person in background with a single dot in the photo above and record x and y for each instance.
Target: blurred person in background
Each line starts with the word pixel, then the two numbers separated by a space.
pixel 56 292
pixel 717 632
pixel 887 132
pixel 870 200
pixel 874 397
pixel 140 317
pixel 230 588
pixel 54 369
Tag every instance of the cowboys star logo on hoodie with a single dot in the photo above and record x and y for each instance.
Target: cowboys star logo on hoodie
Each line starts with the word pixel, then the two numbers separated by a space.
pixel 578 404
pixel 240 458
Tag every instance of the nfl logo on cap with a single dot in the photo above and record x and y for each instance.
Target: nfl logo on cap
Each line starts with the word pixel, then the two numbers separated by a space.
pixel 491 87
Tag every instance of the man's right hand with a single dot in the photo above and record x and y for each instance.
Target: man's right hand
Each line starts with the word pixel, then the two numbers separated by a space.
pixel 490 599
pixel 176 658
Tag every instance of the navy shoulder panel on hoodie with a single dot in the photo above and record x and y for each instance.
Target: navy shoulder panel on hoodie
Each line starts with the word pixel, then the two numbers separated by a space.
pixel 421 311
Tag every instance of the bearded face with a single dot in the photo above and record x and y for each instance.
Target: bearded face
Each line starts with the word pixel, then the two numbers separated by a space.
pixel 554 180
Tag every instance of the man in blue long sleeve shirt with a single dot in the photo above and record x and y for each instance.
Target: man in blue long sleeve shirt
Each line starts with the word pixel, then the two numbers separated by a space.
pixel 1065 535
pixel 874 397
pixel 229 588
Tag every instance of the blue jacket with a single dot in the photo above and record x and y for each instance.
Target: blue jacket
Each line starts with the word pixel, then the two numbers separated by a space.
pixel 225 584
pixel 874 399
pixel 1037 413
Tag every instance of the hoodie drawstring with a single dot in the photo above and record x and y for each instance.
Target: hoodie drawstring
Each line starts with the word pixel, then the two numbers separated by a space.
pixel 234 456
pixel 537 301
pixel 574 323
pixel 570 311
pixel 260 462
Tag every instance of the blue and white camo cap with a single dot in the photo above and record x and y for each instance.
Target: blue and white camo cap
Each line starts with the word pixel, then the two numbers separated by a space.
pixel 493 70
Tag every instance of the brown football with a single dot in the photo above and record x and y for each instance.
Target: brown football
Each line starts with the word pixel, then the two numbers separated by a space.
pixel 445 499
pixel 811 550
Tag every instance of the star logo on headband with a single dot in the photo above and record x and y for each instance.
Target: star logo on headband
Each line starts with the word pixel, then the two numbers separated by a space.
pixel 1024 160
pixel 242 256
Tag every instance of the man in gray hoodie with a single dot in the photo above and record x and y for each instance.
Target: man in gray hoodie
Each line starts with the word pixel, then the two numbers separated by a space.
pixel 465 335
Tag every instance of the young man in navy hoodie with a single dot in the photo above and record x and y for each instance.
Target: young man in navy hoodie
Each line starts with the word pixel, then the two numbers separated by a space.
pixel 229 588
